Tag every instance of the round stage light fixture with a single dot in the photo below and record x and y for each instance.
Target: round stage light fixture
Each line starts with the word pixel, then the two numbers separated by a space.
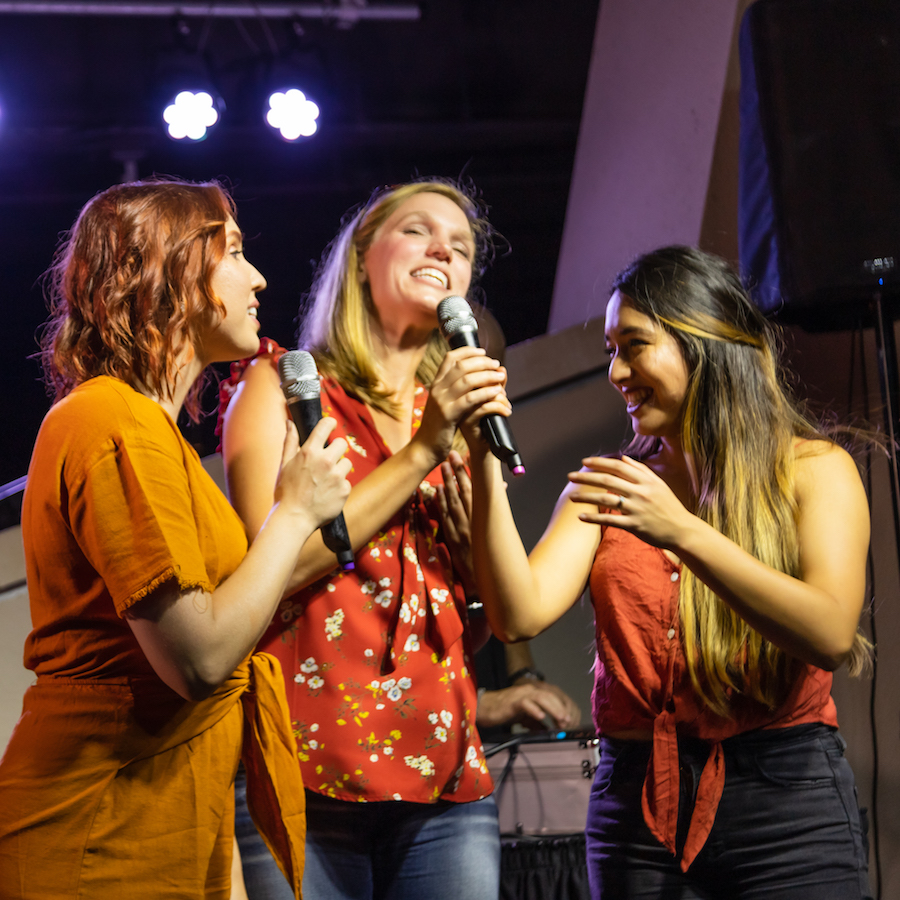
pixel 292 114
pixel 190 115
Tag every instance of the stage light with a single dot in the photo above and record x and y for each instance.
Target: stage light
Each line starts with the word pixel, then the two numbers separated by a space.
pixel 190 115
pixel 186 87
pixel 292 114
pixel 295 75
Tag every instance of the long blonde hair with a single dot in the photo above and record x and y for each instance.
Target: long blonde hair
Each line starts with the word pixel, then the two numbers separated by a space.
pixel 336 324
pixel 738 430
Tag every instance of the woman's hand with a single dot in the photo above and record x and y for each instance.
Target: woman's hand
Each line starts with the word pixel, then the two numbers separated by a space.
pixel 471 426
pixel 312 481
pixel 631 496
pixel 194 639
pixel 813 616
pixel 537 705
pixel 455 508
pixel 467 385
pixel 254 429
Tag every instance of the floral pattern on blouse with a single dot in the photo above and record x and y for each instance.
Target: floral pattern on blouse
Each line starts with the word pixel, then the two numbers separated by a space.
pixel 377 661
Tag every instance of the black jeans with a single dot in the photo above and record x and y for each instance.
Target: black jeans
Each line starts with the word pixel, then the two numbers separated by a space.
pixel 788 825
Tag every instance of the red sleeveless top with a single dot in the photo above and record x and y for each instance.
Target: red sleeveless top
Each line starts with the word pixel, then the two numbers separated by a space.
pixel 641 682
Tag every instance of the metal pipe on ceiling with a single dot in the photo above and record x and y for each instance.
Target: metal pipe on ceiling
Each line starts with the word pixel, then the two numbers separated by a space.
pixel 343 11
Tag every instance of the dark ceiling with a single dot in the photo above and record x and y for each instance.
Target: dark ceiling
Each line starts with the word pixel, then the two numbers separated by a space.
pixel 491 89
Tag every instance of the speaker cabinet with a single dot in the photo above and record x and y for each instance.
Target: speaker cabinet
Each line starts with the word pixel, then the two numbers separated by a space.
pixel 819 213
pixel 542 785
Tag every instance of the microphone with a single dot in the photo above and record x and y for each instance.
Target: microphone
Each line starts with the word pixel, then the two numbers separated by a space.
pixel 459 326
pixel 300 385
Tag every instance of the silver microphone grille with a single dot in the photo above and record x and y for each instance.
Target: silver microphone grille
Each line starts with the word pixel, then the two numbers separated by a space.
pixel 299 375
pixel 455 315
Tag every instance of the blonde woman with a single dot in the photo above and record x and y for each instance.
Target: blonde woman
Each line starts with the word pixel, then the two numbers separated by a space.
pixel 378 661
pixel 725 552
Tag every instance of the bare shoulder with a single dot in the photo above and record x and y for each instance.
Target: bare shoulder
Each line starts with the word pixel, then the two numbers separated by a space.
pixel 256 411
pixel 822 466
pixel 833 520
pixel 262 371
pixel 258 385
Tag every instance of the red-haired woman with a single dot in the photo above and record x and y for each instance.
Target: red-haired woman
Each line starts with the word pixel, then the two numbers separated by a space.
pixel 145 602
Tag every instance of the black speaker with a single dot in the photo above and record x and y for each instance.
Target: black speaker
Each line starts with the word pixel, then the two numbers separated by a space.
pixel 819 210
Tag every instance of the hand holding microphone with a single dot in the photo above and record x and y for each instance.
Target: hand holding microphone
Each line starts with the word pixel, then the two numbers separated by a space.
pixel 300 385
pixel 460 328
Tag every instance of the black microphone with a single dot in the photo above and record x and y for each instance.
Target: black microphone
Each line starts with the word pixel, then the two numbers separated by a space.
pixel 300 384
pixel 460 328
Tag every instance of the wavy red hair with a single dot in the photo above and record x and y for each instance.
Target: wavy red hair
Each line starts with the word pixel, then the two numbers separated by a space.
pixel 130 286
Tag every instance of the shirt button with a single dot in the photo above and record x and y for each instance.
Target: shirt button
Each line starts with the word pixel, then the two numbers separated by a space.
pixel 674 576
pixel 670 633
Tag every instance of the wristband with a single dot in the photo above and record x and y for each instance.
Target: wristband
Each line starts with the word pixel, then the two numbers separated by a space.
pixel 526 672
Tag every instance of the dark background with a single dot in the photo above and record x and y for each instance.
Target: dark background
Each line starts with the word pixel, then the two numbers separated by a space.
pixel 491 90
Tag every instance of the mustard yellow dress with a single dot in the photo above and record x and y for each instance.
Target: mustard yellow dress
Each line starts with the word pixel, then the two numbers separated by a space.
pixel 112 785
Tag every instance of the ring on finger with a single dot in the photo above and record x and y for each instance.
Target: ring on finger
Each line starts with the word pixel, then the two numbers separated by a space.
pixel 620 501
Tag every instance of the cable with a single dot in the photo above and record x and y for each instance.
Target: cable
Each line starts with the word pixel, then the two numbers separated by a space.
pixel 870 566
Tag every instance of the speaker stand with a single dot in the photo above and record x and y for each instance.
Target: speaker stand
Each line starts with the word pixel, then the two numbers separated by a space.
pixel 890 393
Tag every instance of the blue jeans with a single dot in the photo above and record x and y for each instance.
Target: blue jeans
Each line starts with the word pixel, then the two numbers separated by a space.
pixel 392 850
pixel 788 826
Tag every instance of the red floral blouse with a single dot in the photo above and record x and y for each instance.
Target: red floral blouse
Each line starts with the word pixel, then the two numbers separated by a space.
pixel 378 660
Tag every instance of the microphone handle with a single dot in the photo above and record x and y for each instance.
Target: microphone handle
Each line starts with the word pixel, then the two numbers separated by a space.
pixel 502 443
pixel 306 413
pixel 495 428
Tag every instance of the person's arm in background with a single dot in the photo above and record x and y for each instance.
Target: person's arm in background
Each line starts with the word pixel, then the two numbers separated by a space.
pixel 529 700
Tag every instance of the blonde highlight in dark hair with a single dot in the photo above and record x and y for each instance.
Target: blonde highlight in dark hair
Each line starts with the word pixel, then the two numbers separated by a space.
pixel 131 286
pixel 336 324
pixel 739 429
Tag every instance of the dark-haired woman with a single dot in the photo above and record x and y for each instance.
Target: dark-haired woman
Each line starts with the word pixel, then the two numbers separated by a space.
pixel 145 602
pixel 378 661
pixel 725 553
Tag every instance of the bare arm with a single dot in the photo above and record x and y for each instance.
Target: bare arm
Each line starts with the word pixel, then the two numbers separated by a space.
pixel 238 887
pixel 466 381
pixel 194 639
pixel 814 617
pixel 518 657
pixel 524 595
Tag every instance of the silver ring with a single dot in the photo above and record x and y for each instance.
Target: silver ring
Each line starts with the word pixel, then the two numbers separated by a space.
pixel 621 501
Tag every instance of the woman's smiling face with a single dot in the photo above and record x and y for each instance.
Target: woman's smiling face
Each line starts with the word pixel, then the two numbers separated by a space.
pixel 648 368
pixel 422 253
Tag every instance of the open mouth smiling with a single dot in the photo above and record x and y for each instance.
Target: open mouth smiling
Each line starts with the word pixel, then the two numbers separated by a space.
pixel 635 399
pixel 435 275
